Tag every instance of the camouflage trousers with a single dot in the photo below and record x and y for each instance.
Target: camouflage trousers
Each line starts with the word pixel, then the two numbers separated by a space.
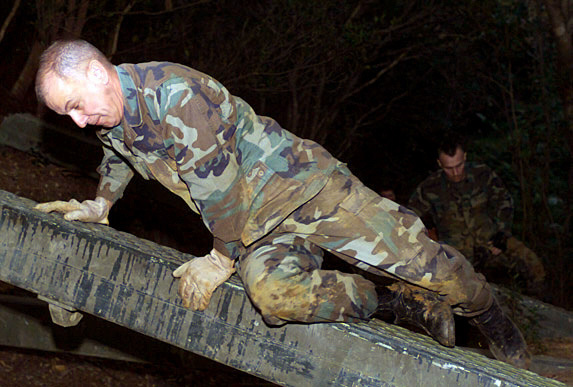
pixel 282 272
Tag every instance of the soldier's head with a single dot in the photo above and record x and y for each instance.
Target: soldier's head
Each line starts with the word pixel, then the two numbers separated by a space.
pixel 74 78
pixel 452 157
pixel 388 193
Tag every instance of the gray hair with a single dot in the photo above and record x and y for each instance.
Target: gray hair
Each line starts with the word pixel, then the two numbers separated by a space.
pixel 66 59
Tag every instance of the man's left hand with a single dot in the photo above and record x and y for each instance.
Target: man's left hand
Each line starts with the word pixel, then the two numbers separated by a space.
pixel 498 242
pixel 91 211
pixel 201 276
pixel 494 250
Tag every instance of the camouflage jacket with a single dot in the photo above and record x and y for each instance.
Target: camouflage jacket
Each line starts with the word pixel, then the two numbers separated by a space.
pixel 472 210
pixel 242 172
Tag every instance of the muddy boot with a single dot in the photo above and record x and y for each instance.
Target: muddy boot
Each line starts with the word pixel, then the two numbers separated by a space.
pixel 505 340
pixel 420 307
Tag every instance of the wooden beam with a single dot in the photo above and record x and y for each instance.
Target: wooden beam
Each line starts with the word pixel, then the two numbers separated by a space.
pixel 125 280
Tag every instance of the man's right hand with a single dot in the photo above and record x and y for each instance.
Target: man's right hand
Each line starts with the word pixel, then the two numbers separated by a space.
pixel 200 277
pixel 498 242
pixel 91 211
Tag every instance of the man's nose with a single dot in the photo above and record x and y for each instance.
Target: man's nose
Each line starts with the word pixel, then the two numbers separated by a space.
pixel 79 119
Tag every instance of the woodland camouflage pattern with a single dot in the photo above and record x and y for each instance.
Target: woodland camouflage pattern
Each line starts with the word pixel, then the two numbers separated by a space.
pixel 242 172
pixel 273 200
pixel 469 213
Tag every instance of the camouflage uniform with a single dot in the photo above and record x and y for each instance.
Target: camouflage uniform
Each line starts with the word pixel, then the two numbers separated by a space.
pixel 273 200
pixel 469 213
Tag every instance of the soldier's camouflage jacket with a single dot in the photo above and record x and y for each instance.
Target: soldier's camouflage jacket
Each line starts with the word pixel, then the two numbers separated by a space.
pixel 467 213
pixel 242 172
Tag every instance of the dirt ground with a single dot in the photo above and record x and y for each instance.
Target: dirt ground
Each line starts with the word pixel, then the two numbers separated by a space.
pixel 31 177
pixel 23 368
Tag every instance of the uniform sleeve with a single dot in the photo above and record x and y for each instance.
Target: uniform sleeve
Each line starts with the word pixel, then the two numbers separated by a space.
pixel 419 203
pixel 500 204
pixel 198 118
pixel 115 174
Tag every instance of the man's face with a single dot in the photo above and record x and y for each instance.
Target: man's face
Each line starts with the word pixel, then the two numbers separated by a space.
pixel 87 101
pixel 453 166
pixel 388 194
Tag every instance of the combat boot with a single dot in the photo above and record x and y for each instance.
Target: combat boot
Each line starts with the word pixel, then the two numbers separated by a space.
pixel 505 340
pixel 420 307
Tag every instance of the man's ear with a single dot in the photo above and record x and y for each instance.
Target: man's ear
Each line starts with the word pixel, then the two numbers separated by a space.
pixel 439 163
pixel 97 72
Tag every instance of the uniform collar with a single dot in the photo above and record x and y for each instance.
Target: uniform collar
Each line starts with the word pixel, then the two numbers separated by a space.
pixel 131 110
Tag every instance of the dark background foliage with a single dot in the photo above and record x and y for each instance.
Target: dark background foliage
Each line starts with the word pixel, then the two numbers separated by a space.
pixel 376 82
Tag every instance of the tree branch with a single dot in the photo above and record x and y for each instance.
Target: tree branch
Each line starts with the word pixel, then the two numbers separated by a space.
pixel 9 18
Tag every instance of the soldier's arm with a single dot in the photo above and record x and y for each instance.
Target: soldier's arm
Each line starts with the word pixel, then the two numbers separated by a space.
pixel 196 115
pixel 500 203
pixel 192 121
pixel 115 175
pixel 419 203
pixel 198 118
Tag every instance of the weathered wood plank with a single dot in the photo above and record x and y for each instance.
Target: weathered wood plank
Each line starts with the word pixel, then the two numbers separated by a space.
pixel 25 323
pixel 128 281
